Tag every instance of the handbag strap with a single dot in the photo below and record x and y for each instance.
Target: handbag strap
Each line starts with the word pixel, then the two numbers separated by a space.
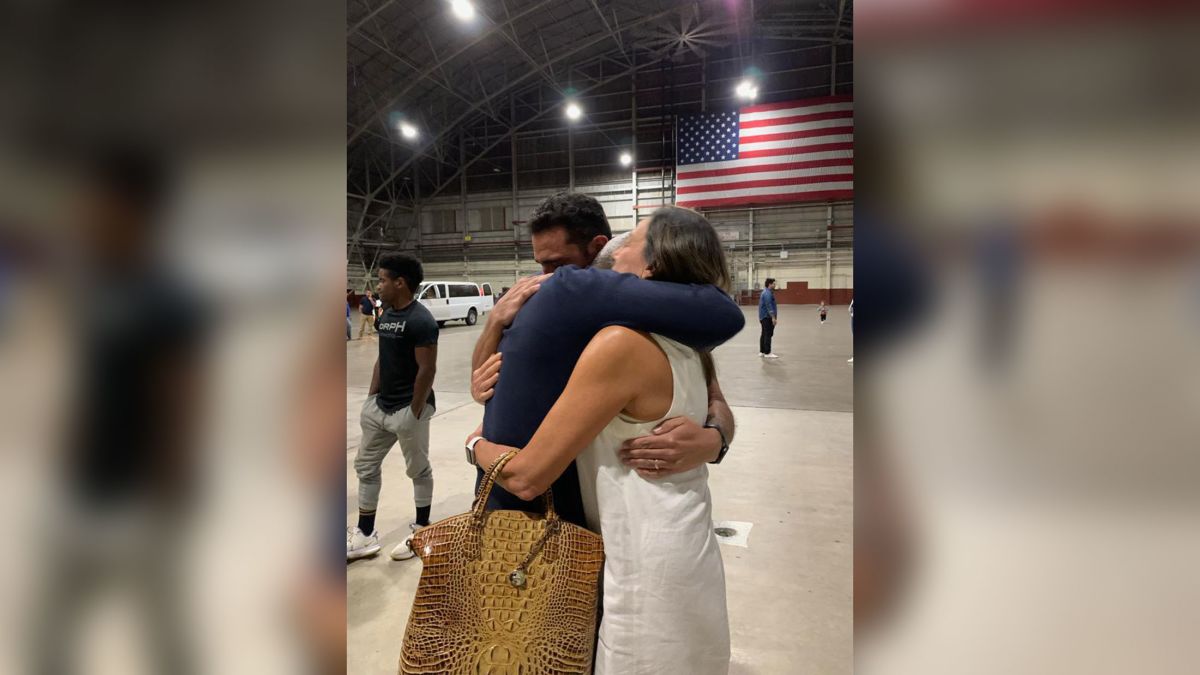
pixel 489 480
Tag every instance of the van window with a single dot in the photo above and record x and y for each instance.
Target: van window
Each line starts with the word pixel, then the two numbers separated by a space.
pixel 430 293
pixel 487 289
pixel 463 290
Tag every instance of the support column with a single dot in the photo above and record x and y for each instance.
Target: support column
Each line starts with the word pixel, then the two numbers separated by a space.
pixel 634 152
pixel 833 67
pixel 829 208
pixel 674 136
pixel 675 150
pixel 750 261
pixel 829 255
pixel 416 178
pixel 662 133
pixel 462 181
pixel 512 119
pixel 571 156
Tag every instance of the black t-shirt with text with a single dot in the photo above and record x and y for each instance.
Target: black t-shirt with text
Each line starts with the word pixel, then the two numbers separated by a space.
pixel 401 331
pixel 138 331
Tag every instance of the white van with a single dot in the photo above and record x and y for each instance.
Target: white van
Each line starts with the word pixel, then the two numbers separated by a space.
pixel 454 300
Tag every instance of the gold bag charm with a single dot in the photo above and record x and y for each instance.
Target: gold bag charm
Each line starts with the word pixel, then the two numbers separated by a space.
pixel 517 578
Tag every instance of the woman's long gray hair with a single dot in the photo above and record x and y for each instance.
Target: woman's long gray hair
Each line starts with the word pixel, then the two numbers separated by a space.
pixel 682 246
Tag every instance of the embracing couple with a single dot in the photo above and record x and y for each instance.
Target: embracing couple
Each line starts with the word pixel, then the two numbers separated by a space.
pixel 603 380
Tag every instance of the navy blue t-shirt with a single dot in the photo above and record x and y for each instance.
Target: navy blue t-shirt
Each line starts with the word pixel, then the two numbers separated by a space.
pixel 554 327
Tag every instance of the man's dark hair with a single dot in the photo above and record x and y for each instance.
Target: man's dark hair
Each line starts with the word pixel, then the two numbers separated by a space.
pixel 403 265
pixel 137 175
pixel 581 216
pixel 768 282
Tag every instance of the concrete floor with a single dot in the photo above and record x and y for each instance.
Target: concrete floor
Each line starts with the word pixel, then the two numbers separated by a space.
pixel 789 472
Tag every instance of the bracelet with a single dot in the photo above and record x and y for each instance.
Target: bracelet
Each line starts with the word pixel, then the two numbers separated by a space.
pixel 493 466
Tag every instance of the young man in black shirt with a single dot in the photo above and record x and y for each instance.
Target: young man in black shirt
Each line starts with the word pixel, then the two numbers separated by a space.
pixel 399 403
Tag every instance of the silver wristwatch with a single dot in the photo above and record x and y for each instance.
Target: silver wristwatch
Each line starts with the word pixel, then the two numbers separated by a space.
pixel 471 449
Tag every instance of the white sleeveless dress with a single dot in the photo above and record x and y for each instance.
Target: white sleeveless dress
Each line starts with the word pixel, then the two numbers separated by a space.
pixel 664 581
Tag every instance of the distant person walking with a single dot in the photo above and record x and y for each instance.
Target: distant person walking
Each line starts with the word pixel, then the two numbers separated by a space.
pixel 367 307
pixel 824 312
pixel 768 316
pixel 851 359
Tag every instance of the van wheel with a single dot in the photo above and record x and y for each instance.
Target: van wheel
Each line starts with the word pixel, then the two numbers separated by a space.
pixel 441 324
pixel 472 317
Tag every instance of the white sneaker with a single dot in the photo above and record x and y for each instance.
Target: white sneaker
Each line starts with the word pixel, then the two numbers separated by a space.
pixel 760 355
pixel 359 545
pixel 850 360
pixel 416 526
pixel 403 550
pixel 770 356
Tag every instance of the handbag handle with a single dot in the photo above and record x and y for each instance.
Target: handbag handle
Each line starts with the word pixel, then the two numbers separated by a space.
pixel 489 480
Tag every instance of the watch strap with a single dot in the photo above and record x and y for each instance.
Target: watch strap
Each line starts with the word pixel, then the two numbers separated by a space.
pixel 724 441
pixel 471 449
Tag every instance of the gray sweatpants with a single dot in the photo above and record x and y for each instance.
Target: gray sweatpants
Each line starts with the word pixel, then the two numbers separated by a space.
pixel 380 432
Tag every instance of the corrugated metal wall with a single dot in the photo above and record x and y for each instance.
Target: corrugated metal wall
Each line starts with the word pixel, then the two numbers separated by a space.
pixel 789 244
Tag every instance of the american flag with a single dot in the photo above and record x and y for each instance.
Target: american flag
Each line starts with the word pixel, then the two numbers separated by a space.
pixel 801 151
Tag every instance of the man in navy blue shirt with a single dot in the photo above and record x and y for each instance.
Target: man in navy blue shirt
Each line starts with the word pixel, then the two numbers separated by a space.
pixel 562 312
pixel 768 316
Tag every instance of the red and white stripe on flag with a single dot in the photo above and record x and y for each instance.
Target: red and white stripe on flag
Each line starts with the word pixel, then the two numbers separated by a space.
pixel 801 151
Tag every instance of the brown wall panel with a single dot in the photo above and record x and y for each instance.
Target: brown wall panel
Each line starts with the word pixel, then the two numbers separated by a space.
pixel 798 293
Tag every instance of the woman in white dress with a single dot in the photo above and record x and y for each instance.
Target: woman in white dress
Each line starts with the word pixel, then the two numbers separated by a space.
pixel 664 581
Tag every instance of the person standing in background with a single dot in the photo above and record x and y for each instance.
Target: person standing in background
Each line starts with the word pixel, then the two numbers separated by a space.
pixel 824 312
pixel 851 359
pixel 131 470
pixel 768 316
pixel 399 405
pixel 367 308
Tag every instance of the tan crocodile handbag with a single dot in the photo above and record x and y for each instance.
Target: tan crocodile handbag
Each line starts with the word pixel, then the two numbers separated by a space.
pixel 504 592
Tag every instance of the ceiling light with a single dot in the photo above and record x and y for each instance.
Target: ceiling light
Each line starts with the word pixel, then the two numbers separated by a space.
pixel 462 9
pixel 747 90
pixel 626 159
pixel 408 131
pixel 573 111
